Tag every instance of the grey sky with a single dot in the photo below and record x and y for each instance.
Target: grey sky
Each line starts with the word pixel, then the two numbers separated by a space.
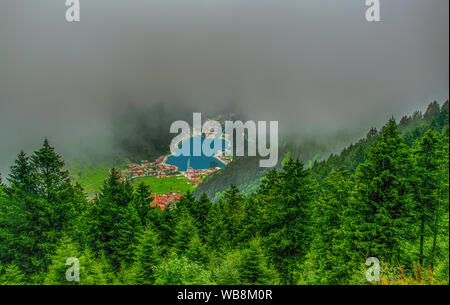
pixel 316 66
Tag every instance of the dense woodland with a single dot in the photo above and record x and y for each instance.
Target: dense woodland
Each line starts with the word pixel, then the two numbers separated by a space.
pixel 385 196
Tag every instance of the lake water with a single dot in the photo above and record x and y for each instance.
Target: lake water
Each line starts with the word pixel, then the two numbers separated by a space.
pixel 199 162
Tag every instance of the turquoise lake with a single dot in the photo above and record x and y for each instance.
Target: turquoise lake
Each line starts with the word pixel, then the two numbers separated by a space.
pixel 197 162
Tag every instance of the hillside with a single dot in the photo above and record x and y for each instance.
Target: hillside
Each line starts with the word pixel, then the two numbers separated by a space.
pixel 245 172
pixel 385 196
pixel 411 127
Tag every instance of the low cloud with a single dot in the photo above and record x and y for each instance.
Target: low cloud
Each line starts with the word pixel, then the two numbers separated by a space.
pixel 317 67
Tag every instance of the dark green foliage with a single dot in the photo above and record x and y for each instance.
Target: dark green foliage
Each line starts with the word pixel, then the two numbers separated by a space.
pixel 382 210
pixel 197 251
pixel 93 271
pixel 251 219
pixel 41 202
pixel 227 272
pixel 384 196
pixel 225 220
pixel 427 164
pixel 11 275
pixel 253 265
pixel 330 215
pixel 185 232
pixel 239 172
pixel 114 222
pixel 180 271
pixel 164 225
pixel 286 198
pixel 199 210
pixel 217 235
pixel 432 111
pixel 148 256
pixel 141 202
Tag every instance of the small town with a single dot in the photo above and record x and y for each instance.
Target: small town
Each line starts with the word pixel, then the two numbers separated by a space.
pixel 161 170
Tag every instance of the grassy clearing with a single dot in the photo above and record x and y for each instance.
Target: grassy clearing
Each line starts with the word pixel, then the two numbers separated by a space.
pixel 165 185
pixel 91 177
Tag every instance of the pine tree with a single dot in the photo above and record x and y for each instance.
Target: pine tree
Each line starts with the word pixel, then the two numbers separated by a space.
pixel 251 219
pixel 433 109
pixel 180 271
pixel 232 213
pixel 197 251
pixel 217 235
pixel 53 179
pixel 21 177
pixel 444 114
pixel 184 233
pixel 382 211
pixel 185 203
pixel 440 220
pixel 41 203
pixel 227 272
pixel 92 271
pixel 77 226
pixel 12 275
pixel 426 192
pixel 142 202
pixel 10 212
pixel 114 221
pixel 148 256
pixel 165 227
pixel 329 217
pixel 56 194
pixel 199 210
pixel 225 220
pixel 287 197
pixel 253 266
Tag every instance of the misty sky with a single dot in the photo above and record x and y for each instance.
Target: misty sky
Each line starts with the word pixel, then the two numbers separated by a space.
pixel 317 66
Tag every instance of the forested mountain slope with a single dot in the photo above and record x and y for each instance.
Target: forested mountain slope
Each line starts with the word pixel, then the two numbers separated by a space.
pixel 411 128
pixel 385 197
pixel 245 172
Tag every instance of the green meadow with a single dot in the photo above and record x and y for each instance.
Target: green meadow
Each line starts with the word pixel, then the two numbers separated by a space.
pixel 90 176
pixel 167 184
